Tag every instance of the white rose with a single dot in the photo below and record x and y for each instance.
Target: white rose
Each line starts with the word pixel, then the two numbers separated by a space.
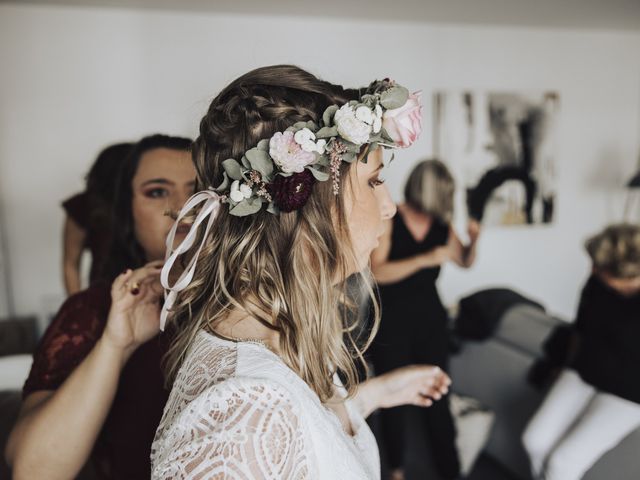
pixel 320 146
pixel 304 136
pixel 308 146
pixel 239 192
pixel 349 127
pixel 364 114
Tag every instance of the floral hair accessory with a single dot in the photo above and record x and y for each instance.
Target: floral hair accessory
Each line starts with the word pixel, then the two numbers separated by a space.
pixel 280 171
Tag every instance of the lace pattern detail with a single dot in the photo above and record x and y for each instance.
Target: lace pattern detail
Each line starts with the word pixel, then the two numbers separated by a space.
pixel 69 338
pixel 236 411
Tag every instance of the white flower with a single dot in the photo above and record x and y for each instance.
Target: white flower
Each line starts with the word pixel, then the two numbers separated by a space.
pixel 364 114
pixel 239 192
pixel 377 121
pixel 349 127
pixel 304 136
pixel 320 145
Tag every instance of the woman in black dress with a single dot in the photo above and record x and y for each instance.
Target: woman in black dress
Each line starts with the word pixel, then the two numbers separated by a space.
pixel 406 266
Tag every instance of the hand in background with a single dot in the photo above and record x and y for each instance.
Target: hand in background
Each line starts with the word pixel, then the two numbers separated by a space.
pixel 413 385
pixel 473 230
pixel 134 317
pixel 436 257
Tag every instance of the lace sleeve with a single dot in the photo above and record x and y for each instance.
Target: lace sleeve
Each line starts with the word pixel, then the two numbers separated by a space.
pixel 68 340
pixel 237 429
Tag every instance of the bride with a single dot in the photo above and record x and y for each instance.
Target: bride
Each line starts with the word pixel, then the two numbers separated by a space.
pixel 263 321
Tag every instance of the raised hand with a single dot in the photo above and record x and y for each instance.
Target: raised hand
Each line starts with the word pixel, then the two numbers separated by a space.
pixel 473 230
pixel 134 317
pixel 413 385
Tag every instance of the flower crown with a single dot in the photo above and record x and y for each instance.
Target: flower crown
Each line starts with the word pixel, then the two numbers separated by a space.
pixel 280 172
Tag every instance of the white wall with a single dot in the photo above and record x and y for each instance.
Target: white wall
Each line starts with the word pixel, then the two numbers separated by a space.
pixel 75 79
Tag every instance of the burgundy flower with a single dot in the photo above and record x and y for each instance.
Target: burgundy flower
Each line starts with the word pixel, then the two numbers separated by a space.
pixel 292 192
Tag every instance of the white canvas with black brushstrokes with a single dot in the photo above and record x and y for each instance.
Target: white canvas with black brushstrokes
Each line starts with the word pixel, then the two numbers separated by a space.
pixel 501 149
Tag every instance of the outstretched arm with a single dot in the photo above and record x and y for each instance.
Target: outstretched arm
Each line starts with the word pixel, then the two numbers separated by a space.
pixel 388 271
pixel 412 385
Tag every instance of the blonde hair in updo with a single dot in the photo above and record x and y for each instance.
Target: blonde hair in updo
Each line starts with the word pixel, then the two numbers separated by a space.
pixel 616 250
pixel 288 271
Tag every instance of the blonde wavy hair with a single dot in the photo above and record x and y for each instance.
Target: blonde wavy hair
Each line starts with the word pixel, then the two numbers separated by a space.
pixel 616 250
pixel 288 271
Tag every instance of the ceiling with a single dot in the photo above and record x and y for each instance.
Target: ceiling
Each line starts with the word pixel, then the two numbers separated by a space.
pixel 578 14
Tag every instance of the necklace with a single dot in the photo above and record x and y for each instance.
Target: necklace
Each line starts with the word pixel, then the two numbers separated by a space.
pixel 255 341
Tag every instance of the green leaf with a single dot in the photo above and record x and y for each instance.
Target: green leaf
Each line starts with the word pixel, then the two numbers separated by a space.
pixel 320 176
pixel 385 135
pixel 260 161
pixel 232 168
pixel 224 185
pixel 323 160
pixel 349 157
pixel 246 207
pixel 273 208
pixel 296 126
pixel 326 132
pixel 245 162
pixel 327 116
pixel 263 145
pixel 395 97
pixel 311 125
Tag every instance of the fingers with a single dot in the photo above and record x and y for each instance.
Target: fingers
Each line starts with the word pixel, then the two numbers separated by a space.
pixel 143 276
pixel 119 283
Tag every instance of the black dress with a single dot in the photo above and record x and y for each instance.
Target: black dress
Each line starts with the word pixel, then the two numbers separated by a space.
pixel 608 325
pixel 414 330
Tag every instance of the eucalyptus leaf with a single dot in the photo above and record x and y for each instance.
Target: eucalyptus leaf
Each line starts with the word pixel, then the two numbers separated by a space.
pixel 395 97
pixel 263 145
pixel 327 116
pixel 225 183
pixel 320 176
pixel 323 160
pixel 385 135
pixel 245 162
pixel 232 168
pixel 246 207
pixel 326 132
pixel 260 161
pixel 349 157
pixel 311 125
pixel 273 208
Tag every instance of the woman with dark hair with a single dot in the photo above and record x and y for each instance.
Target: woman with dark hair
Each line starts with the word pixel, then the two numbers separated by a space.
pixel 87 222
pixel 414 326
pixel 595 402
pixel 95 390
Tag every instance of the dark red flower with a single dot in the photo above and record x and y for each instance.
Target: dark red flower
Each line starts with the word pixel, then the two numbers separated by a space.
pixel 292 192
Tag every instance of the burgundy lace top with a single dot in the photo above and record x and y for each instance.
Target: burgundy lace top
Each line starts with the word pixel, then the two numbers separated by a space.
pixel 124 445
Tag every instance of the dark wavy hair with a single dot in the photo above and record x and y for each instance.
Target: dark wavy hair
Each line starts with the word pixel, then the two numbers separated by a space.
pixel 125 251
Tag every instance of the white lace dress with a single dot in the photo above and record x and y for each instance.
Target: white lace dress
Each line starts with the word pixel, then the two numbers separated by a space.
pixel 236 411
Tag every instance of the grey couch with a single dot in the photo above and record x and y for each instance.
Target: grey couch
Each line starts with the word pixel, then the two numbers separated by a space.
pixel 494 371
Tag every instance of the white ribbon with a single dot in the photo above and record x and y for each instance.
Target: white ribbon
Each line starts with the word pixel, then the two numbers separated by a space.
pixel 210 209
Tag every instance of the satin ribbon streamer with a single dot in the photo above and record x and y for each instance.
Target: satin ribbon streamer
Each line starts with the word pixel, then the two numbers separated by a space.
pixel 209 210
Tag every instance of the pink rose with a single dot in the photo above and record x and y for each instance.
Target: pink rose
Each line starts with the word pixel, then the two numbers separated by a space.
pixel 287 154
pixel 404 124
